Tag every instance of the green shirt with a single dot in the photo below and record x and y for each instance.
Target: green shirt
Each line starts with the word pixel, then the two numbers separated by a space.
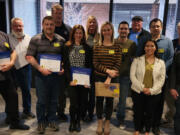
pixel 128 53
pixel 148 77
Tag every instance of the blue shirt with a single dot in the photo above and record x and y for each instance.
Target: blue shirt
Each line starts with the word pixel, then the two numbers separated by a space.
pixel 165 50
pixel 134 36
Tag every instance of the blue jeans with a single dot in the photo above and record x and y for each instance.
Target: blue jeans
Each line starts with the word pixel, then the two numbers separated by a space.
pixel 124 88
pixel 23 78
pixel 47 91
pixel 177 115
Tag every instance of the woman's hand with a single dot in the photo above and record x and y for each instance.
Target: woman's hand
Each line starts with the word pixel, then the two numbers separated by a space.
pixel 86 86
pixel 146 91
pixel 61 72
pixel 112 73
pixel 107 82
pixel 72 83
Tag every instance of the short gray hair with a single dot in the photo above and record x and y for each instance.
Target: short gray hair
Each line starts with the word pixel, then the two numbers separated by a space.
pixel 16 18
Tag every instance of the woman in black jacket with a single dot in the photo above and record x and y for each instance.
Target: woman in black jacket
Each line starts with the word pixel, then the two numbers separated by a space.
pixel 77 54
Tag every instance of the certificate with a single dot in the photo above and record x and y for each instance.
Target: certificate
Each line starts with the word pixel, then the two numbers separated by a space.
pixel 103 91
pixel 50 62
pixel 81 76
pixel 4 58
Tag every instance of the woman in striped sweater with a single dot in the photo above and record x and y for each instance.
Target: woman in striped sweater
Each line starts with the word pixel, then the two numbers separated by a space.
pixel 106 61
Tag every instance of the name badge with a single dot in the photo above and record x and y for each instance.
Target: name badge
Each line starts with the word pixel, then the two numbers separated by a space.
pixel 82 51
pixel 161 50
pixel 125 50
pixel 57 45
pixel 111 51
pixel 6 44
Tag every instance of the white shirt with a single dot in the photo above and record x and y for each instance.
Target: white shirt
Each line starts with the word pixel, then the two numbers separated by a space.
pixel 21 49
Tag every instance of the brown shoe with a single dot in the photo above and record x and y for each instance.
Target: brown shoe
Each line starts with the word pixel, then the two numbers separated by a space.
pixel 99 130
pixel 107 127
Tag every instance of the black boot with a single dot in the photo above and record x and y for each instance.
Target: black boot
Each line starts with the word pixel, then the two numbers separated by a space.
pixel 72 126
pixel 78 125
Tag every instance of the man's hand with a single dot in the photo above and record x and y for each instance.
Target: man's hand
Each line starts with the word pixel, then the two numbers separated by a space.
pixel 6 67
pixel 44 71
pixel 174 93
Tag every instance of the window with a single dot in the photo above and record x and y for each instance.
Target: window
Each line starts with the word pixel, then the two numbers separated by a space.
pixel 26 9
pixel 77 11
pixel 125 10
pixel 171 19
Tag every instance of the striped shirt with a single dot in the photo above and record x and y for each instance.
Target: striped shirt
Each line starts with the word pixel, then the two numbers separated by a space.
pixel 106 57
pixel 40 44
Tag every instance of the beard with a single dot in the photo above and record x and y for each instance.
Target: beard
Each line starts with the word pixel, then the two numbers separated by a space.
pixel 18 34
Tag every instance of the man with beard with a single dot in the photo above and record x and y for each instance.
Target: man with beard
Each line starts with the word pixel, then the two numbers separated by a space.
pixel 20 41
pixel 128 52
pixel 7 88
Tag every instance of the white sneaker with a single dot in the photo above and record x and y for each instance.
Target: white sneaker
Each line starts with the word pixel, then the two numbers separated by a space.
pixel 122 126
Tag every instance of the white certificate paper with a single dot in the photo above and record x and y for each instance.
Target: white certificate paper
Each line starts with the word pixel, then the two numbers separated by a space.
pixel 81 76
pixel 51 62
pixel 4 58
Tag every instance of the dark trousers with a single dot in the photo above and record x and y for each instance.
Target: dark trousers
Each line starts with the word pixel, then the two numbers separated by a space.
pixel 100 107
pixel 8 92
pixel 144 108
pixel 159 110
pixel 23 78
pixel 62 96
pixel 91 100
pixel 108 101
pixel 47 91
pixel 78 102
pixel 177 114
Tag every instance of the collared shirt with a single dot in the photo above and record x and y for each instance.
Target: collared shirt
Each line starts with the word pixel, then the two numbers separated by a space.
pixel 141 40
pixel 134 36
pixel 40 44
pixel 5 46
pixel 21 49
pixel 165 50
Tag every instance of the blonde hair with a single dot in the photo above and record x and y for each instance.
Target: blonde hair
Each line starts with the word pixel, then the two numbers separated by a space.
pixel 101 35
pixel 96 36
pixel 56 7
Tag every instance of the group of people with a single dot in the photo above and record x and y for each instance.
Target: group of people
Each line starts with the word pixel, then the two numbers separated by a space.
pixel 137 58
